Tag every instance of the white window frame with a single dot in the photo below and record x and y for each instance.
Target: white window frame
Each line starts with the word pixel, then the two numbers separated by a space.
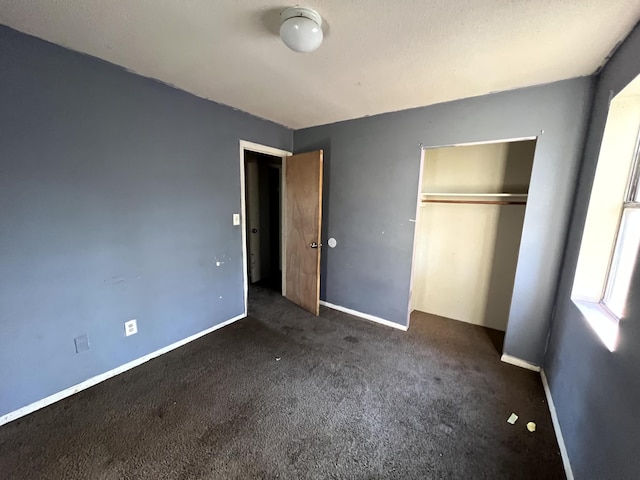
pixel 615 184
pixel 630 202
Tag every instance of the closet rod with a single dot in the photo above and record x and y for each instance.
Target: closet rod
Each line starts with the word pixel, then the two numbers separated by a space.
pixel 477 202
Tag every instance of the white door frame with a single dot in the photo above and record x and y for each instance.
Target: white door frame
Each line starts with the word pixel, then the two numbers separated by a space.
pixel 275 152
pixel 415 232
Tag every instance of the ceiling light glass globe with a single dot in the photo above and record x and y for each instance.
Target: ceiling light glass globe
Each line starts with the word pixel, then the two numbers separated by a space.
pixel 301 34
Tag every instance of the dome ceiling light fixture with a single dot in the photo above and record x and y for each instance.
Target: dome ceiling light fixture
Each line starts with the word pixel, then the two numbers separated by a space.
pixel 301 29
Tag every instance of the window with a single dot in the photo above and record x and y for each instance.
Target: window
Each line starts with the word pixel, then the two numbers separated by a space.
pixel 626 247
pixel 611 235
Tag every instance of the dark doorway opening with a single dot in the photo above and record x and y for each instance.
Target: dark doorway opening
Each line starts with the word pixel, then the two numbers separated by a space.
pixel 263 178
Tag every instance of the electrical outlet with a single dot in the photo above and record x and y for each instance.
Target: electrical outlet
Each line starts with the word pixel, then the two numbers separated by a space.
pixel 236 219
pixel 82 343
pixel 130 327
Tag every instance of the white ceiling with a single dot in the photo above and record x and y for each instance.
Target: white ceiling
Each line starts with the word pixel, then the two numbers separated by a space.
pixel 378 56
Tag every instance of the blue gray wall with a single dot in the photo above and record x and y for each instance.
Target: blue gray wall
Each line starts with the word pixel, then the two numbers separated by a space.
pixel 371 183
pixel 595 391
pixel 116 195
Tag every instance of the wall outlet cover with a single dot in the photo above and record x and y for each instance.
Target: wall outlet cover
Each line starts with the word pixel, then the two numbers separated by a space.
pixel 82 343
pixel 130 327
pixel 236 219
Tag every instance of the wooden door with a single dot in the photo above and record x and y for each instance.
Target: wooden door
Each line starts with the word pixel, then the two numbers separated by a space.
pixel 303 218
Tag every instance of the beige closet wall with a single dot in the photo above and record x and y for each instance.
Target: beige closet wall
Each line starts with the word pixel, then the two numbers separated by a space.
pixel 466 254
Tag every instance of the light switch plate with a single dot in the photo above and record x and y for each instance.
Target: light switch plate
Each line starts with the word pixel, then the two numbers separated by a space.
pixel 236 219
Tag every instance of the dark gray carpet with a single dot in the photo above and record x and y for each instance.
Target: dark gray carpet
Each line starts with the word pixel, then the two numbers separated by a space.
pixel 347 399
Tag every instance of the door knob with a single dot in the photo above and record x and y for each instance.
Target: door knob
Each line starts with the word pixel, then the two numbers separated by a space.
pixel 315 245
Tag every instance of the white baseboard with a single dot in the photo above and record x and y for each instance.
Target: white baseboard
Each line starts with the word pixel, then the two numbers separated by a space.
pixel 556 427
pixel 21 412
pixel 366 316
pixel 519 362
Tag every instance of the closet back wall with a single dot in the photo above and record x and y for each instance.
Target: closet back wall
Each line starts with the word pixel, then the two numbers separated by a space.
pixel 466 254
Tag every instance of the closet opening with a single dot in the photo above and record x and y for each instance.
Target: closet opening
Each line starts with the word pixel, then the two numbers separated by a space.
pixel 469 221
pixel 263 184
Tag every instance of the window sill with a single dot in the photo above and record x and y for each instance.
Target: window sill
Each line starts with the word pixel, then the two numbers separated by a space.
pixel 603 322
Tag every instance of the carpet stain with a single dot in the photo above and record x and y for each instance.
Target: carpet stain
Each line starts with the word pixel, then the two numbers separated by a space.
pixel 228 429
pixel 289 330
pixel 445 428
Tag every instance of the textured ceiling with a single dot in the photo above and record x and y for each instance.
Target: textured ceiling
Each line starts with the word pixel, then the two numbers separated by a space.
pixel 378 56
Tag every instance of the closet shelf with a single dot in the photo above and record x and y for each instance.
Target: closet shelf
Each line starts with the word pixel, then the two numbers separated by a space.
pixel 501 195
pixel 476 198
